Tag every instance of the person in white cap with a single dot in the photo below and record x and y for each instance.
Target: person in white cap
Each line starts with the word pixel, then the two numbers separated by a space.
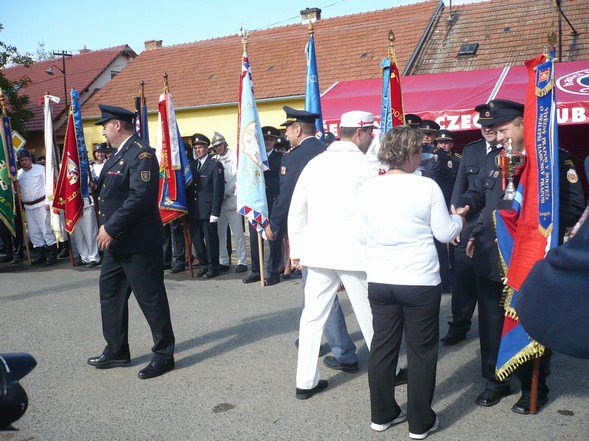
pixel 319 222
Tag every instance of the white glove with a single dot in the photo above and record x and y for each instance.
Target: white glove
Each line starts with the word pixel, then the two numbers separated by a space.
pixel 213 219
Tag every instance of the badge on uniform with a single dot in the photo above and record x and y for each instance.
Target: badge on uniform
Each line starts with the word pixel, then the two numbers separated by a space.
pixel 121 162
pixel 145 175
pixel 144 155
pixel 450 164
pixel 283 170
pixel 496 173
pixel 572 176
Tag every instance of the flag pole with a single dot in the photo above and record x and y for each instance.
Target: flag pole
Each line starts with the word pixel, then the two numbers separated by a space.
pixel 16 187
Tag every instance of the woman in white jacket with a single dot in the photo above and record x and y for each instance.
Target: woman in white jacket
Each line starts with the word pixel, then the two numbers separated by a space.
pixel 401 213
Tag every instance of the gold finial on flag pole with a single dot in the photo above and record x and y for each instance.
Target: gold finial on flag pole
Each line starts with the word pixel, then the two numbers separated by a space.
pixel 3 102
pixel 310 27
pixel 166 87
pixel 142 92
pixel 391 44
pixel 245 36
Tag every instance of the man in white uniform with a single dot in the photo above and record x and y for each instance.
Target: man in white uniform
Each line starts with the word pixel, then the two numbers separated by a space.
pixel 321 239
pixel 31 181
pixel 229 215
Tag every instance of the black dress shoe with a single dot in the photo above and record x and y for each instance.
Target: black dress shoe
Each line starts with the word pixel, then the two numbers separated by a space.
pixel 251 278
pixel 177 269
pixel 402 377
pixel 221 268
pixel 107 361
pixel 490 397
pixel 210 274
pixel 155 369
pixel 333 363
pixel 94 263
pixel 202 272
pixel 273 280
pixel 523 404
pixel 452 338
pixel 167 266
pixel 80 263
pixel 305 394
pixel 241 268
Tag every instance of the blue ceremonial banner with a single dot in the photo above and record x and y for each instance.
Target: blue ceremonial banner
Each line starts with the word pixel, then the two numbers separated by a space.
pixel 252 159
pixel 141 121
pixel 386 119
pixel 81 142
pixel 10 149
pixel 312 94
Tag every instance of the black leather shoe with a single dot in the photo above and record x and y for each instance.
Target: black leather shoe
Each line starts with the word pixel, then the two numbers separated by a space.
pixel 452 338
pixel 490 397
pixel 167 266
pixel 333 363
pixel 177 269
pixel 155 369
pixel 402 377
pixel 221 268
pixel 241 268
pixel 523 404
pixel 210 274
pixel 251 279
pixel 94 263
pixel 273 280
pixel 305 394
pixel 106 361
pixel 202 272
pixel 80 263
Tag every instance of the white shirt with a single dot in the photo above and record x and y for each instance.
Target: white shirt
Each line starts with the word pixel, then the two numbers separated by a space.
pixel 320 218
pixel 32 184
pixel 229 161
pixel 398 217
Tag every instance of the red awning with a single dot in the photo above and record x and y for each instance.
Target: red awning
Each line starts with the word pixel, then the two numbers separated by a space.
pixel 450 98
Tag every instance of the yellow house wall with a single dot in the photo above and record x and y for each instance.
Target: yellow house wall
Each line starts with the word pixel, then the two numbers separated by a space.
pixel 222 119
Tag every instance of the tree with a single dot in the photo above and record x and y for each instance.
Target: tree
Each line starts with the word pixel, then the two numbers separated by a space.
pixel 16 102
pixel 41 53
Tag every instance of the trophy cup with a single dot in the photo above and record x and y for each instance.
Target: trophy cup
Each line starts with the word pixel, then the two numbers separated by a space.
pixel 510 162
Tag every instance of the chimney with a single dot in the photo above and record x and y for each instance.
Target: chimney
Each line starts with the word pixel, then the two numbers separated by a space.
pixel 84 50
pixel 151 45
pixel 310 14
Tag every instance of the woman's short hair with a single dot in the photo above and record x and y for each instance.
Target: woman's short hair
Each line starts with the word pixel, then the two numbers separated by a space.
pixel 398 145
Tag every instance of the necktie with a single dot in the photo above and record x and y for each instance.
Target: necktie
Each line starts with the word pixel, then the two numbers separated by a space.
pixel 198 166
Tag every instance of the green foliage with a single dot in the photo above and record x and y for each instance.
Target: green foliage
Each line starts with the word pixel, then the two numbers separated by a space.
pixel 16 103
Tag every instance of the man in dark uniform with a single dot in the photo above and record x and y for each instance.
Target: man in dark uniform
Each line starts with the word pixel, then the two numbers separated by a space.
pixel 131 236
pixel 205 197
pixel 272 181
pixel 486 194
pixel 464 293
pixel 300 130
pixel 413 121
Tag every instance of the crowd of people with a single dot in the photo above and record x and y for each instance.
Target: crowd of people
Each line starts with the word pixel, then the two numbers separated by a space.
pixel 328 221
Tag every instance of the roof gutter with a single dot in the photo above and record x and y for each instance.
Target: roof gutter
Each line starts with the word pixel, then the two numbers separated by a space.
pixel 421 43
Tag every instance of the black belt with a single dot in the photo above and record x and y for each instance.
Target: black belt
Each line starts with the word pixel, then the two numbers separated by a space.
pixel 36 201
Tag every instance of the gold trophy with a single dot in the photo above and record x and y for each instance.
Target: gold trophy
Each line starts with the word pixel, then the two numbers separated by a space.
pixel 510 161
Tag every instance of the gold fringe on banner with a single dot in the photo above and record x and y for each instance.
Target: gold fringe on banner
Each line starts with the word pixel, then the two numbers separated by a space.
pixel 529 352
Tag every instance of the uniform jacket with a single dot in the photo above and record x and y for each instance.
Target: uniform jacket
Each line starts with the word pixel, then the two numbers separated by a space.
pixel 272 177
pixel 205 194
pixel 291 167
pixel 552 302
pixel 448 169
pixel 321 217
pixel 128 190
pixel 485 196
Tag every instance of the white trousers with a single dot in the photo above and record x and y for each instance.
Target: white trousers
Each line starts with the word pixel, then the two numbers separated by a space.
pixel 232 218
pixel 85 233
pixel 38 226
pixel 320 290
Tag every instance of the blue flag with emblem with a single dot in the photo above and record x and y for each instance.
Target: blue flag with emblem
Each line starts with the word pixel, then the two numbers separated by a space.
pixel 252 159
pixel 312 94
pixel 81 142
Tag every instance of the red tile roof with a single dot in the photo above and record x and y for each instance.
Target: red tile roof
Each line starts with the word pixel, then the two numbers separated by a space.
pixel 206 72
pixel 82 70
pixel 508 32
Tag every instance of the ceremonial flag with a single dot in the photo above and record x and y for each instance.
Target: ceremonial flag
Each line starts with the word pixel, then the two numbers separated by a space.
pixel 252 159
pixel 312 94
pixel 175 173
pixel 527 231
pixel 68 196
pixel 51 165
pixel 84 166
pixel 141 119
pixel 392 113
pixel 7 176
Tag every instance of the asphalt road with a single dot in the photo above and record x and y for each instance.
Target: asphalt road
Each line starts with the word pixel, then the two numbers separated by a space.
pixel 235 371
